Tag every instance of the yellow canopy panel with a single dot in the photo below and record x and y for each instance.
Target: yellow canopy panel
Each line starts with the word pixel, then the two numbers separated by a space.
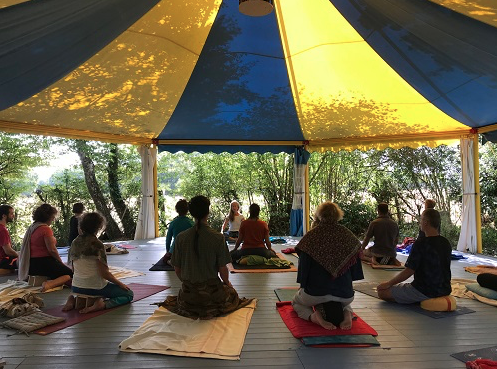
pixel 131 87
pixel 345 93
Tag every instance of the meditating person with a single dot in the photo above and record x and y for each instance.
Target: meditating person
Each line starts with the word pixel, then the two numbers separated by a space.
pixel 328 263
pixel 77 209
pixel 39 255
pixel 253 236
pixel 233 220
pixel 429 204
pixel 429 262
pixel 91 271
pixel 199 258
pixel 179 224
pixel 8 256
pixel 386 236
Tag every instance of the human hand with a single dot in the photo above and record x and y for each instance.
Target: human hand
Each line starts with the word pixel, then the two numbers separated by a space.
pixel 383 286
pixel 124 287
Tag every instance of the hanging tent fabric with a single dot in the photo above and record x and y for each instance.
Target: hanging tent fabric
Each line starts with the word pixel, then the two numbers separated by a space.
pixel 297 216
pixel 200 76
pixel 145 225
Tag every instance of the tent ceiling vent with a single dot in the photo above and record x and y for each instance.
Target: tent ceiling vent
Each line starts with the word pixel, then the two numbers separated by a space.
pixel 255 8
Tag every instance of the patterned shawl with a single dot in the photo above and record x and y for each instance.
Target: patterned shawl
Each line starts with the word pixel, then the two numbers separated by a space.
pixel 331 245
pixel 87 246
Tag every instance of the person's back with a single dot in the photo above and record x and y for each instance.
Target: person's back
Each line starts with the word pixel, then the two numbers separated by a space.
pixel 385 232
pixel 430 259
pixel 212 254
pixel 253 231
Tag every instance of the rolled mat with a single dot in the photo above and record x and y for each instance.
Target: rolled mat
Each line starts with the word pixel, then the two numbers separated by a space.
pixel 301 328
pixel 73 317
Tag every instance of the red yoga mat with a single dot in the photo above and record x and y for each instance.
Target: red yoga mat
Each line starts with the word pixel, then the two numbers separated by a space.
pixel 302 328
pixel 74 317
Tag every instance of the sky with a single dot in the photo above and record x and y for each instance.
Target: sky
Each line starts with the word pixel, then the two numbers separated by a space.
pixel 64 159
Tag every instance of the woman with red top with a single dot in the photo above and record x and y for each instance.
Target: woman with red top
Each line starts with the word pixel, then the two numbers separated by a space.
pixel 254 234
pixel 39 256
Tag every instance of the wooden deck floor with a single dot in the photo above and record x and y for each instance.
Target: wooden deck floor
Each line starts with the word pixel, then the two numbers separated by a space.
pixel 408 340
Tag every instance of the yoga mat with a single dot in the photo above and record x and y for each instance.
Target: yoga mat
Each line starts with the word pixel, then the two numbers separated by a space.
pixel 237 268
pixel 369 288
pixel 74 317
pixel 161 266
pixel 125 246
pixel 167 333
pixel 286 293
pixel 301 328
pixel 362 340
pixel 460 310
pixel 489 353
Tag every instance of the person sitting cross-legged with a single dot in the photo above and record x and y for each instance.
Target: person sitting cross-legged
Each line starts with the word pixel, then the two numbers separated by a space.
pixel 91 272
pixel 253 236
pixel 429 262
pixel 199 259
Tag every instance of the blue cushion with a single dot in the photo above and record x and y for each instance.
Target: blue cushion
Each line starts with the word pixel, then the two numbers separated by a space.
pixel 482 291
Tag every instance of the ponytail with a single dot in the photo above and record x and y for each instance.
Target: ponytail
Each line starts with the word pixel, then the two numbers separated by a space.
pixel 199 209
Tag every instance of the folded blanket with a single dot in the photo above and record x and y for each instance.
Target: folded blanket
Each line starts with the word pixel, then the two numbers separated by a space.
pixel 260 260
pixel 171 334
pixel 482 269
pixel 459 290
pixel 121 273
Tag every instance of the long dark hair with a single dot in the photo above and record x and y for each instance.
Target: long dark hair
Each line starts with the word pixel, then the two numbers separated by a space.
pixel 199 208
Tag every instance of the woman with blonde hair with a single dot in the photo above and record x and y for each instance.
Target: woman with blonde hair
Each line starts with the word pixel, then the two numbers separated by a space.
pixel 328 263
pixel 233 220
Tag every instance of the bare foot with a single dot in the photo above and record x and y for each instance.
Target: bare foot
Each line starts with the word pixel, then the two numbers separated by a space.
pixel 317 318
pixel 396 262
pixel 45 286
pixel 346 324
pixel 69 304
pixel 99 304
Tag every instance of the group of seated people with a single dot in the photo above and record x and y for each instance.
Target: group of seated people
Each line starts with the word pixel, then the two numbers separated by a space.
pixel 329 261
pixel 87 271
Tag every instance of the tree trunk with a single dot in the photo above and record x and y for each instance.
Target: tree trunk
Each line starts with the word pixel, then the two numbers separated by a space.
pixel 122 209
pixel 112 230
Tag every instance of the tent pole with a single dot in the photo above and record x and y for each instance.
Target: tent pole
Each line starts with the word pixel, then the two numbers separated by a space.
pixel 306 200
pixel 476 164
pixel 156 197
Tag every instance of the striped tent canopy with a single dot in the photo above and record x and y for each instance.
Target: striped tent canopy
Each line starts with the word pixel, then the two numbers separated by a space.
pixel 197 75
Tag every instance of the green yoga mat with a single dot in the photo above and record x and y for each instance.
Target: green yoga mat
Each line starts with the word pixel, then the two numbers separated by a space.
pixel 341 340
pixel 286 294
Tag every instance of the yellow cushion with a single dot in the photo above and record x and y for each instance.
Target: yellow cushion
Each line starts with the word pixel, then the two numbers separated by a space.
pixel 444 303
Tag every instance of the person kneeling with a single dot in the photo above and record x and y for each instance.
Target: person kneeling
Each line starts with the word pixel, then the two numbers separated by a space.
pixel 328 263
pixel 91 272
pixel 429 262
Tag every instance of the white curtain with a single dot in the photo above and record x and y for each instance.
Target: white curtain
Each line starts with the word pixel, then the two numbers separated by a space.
pixel 468 238
pixel 145 226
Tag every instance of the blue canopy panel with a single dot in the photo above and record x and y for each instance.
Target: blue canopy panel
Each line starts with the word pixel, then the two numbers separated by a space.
pixel 231 149
pixel 449 58
pixel 239 88
pixel 43 40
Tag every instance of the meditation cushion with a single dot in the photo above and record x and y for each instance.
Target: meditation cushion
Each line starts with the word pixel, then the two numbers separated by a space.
pixel 444 303
pixel 482 291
